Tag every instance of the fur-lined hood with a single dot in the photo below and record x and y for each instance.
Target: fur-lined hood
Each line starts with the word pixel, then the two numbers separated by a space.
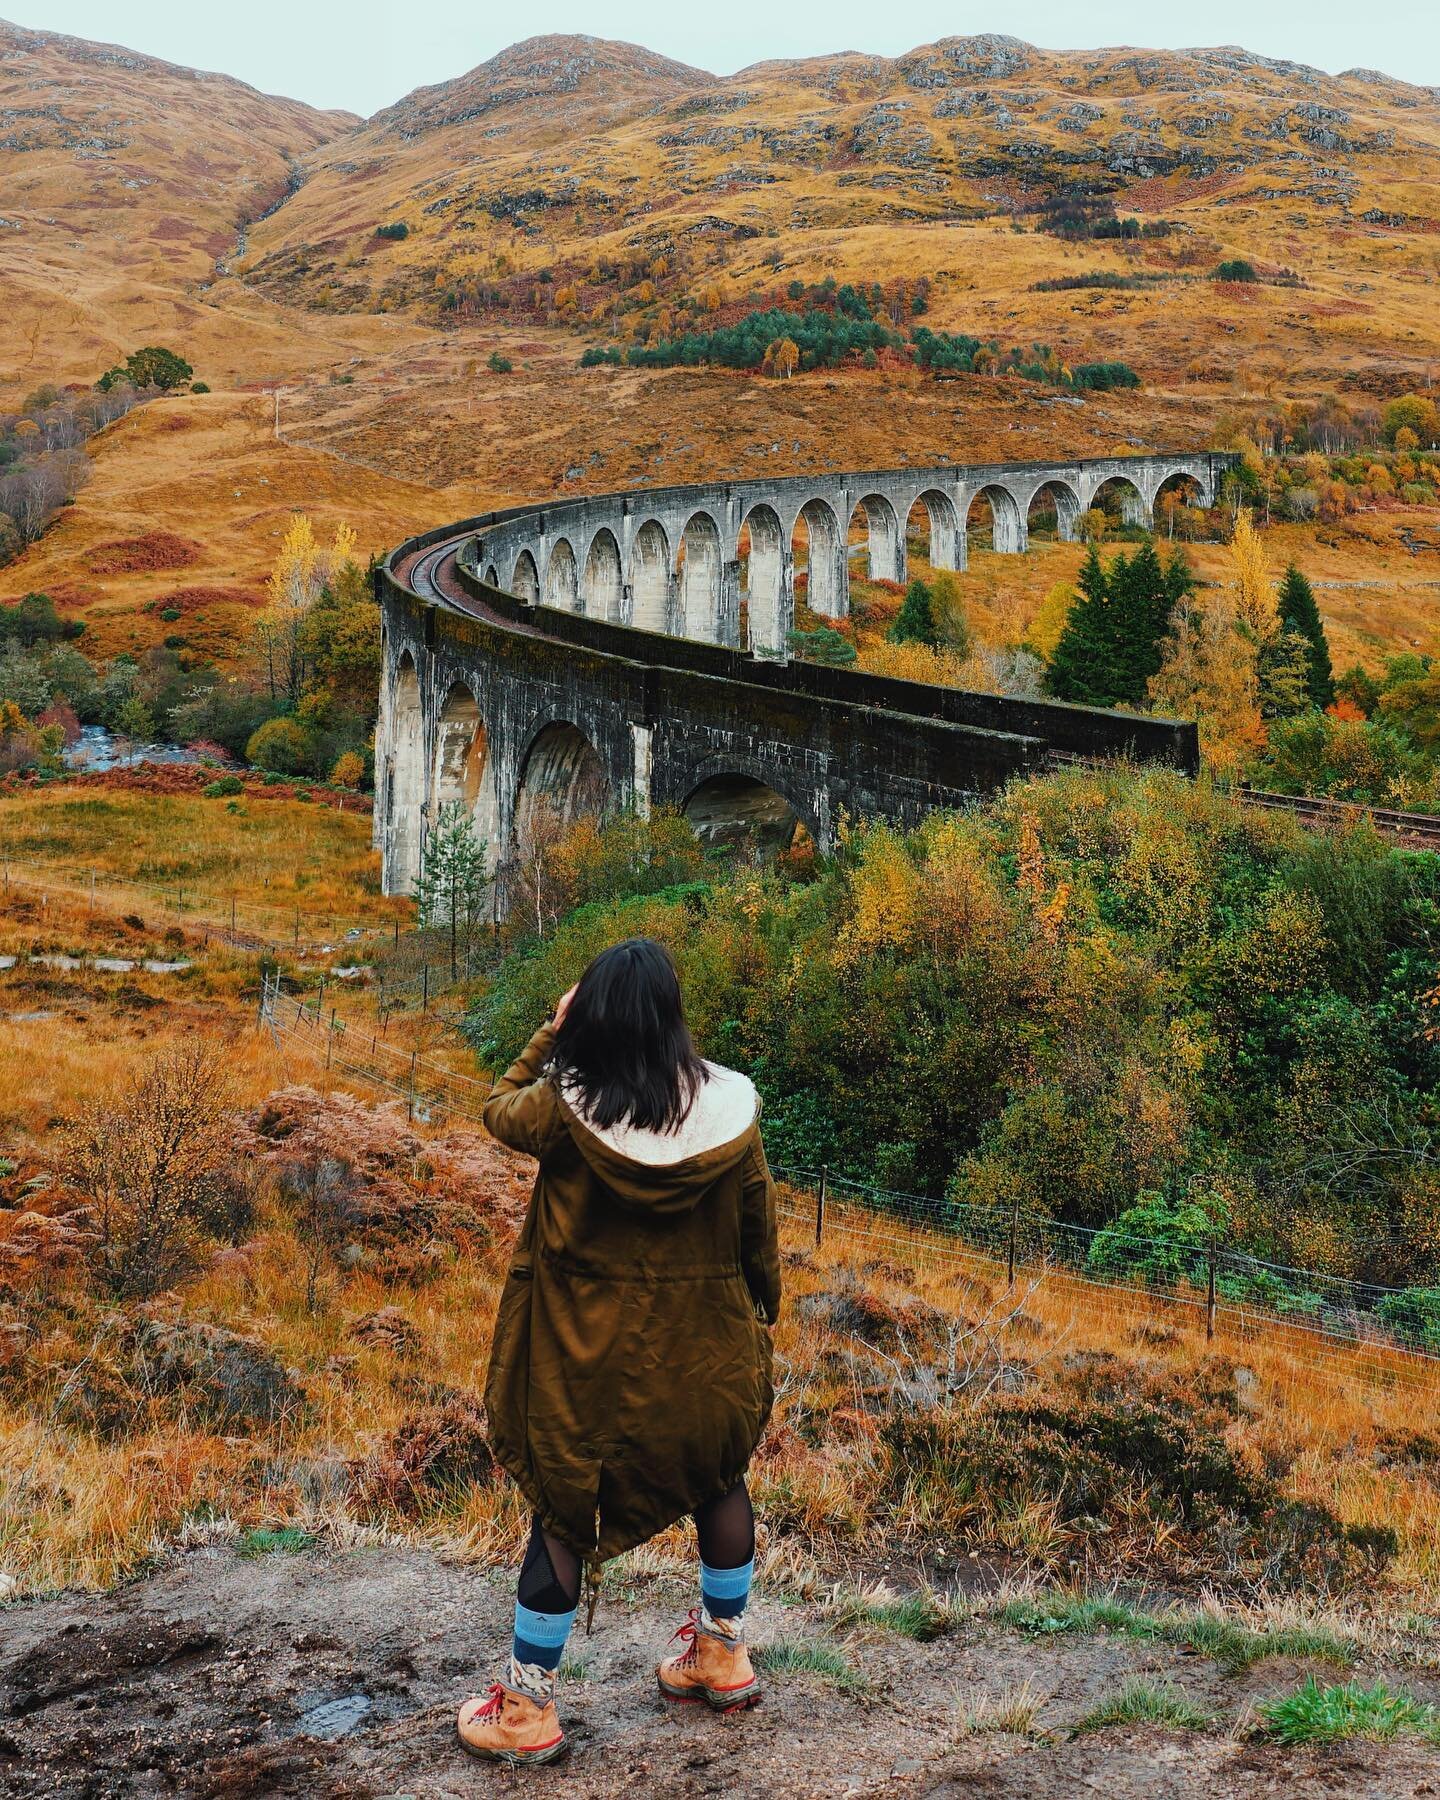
pixel 670 1170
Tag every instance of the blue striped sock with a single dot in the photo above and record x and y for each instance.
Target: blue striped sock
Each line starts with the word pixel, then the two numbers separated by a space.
pixel 724 1592
pixel 540 1637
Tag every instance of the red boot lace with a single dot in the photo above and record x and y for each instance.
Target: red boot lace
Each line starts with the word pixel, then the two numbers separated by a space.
pixel 494 1701
pixel 686 1633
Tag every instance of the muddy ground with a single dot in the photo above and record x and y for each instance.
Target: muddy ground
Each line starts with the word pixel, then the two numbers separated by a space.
pixel 339 1674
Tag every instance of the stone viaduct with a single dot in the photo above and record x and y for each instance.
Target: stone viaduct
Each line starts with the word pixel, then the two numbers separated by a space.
pixel 631 650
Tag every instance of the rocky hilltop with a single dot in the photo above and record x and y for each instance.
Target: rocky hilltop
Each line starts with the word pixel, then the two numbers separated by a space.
pixel 571 181
pixel 569 158
pixel 614 79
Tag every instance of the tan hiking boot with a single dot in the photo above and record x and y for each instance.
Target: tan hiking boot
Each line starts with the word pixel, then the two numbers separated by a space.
pixel 714 1666
pixel 516 1722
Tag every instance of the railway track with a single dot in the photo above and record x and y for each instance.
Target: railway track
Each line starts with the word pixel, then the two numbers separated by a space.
pixel 1420 831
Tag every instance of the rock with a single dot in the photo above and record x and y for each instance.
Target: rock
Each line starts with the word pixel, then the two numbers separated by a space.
pixel 387 1329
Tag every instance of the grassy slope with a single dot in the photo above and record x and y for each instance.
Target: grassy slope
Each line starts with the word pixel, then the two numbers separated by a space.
pixel 1331 1422
pixel 204 470
pixel 125 178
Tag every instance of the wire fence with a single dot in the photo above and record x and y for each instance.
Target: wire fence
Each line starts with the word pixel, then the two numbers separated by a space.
pixel 1224 1292
pixel 1337 1326
pixel 431 1092
pixel 248 923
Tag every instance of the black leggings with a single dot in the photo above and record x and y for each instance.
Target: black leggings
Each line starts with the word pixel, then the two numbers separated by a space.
pixel 550 1573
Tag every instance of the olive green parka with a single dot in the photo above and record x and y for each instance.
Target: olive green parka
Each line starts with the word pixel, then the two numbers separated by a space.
pixel 630 1368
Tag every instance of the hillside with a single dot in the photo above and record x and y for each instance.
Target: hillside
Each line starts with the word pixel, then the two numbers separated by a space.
pixel 1028 1541
pixel 594 184
pixel 124 179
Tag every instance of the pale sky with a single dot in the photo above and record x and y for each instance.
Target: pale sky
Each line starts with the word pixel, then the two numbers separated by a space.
pixel 362 54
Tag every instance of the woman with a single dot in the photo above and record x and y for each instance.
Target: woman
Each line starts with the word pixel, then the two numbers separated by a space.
pixel 630 1369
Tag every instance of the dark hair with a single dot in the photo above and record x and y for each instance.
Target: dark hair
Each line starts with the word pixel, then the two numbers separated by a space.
pixel 623 1045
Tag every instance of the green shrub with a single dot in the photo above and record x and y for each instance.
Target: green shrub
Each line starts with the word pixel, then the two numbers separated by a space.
pixel 1413 1315
pixel 1329 1715
pixel 279 745
pixel 222 787
pixel 199 387
pixel 170 614
pixel 1236 269
pixel 498 364
pixel 1160 1241
pixel 395 231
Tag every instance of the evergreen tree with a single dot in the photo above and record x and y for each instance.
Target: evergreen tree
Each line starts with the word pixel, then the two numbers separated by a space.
pixel 450 889
pixel 915 622
pixel 1083 668
pixel 1141 608
pixel 1299 613
pixel 1283 667
pixel 823 645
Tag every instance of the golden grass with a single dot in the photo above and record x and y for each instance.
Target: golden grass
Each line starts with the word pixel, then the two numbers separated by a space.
pixel 1317 1410
pixel 85 1513
pixel 270 857
pixel 76 1510
pixel 91 1027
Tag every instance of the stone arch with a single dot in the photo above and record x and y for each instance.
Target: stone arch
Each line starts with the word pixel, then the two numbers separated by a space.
pixel 733 810
pixel 1053 511
pixel 826 573
pixel 649 578
pixel 562 580
pixel 561 778
pixel 700 575
pixel 464 770
pixel 405 780
pixel 525 578
pixel 884 540
pixel 1007 522
pixel 1118 495
pixel 766 594
pixel 602 589
pixel 491 577
pixel 938 526
pixel 1181 488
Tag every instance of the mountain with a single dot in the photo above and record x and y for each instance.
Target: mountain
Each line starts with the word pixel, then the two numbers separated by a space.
pixel 122 180
pixel 576 180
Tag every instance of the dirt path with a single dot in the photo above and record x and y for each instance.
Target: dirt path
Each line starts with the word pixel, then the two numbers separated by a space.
pixel 339 1674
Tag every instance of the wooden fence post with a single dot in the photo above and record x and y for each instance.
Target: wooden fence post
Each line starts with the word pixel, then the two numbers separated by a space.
pixel 820 1204
pixel 410 1109
pixel 1014 1242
